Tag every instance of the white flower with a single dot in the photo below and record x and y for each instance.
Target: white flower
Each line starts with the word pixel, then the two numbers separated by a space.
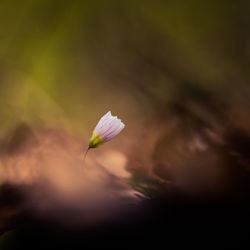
pixel 107 128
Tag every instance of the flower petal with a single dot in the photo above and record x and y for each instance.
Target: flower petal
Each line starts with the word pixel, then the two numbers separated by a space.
pixel 114 133
pixel 103 121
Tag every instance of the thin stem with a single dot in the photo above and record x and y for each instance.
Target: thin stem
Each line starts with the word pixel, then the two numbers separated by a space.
pixel 86 151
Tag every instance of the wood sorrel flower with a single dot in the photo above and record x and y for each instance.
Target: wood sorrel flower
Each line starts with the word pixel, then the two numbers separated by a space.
pixel 107 128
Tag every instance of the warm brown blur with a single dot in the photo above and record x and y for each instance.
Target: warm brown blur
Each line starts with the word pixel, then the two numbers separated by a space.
pixel 48 166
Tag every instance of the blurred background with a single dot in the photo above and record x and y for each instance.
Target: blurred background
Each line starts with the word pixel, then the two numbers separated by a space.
pixel 175 72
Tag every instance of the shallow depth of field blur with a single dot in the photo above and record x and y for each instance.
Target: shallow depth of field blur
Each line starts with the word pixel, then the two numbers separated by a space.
pixel 176 73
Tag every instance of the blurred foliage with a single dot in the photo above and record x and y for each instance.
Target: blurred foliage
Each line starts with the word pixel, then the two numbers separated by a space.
pixel 60 60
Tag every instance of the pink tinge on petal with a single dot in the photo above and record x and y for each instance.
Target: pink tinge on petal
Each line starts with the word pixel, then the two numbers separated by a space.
pixel 107 126
pixel 116 124
pixel 107 131
pixel 103 121
pixel 114 133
